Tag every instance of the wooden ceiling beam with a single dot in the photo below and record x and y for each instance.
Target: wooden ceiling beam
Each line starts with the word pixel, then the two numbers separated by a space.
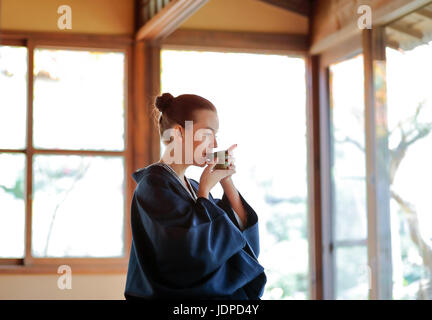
pixel 393 44
pixel 168 19
pixel 424 13
pixel 409 32
pixel 236 41
pixel 390 11
pixel 302 7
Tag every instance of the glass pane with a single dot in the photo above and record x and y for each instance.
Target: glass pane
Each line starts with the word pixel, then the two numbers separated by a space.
pixel 12 205
pixel 78 206
pixel 409 78
pixel 348 160
pixel 79 96
pixel 348 142
pixel 351 275
pixel 13 97
pixel 261 106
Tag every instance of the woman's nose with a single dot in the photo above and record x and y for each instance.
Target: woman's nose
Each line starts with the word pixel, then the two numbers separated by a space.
pixel 215 143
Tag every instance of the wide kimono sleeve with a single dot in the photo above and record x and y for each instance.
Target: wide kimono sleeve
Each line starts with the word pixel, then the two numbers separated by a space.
pixel 191 246
pixel 250 231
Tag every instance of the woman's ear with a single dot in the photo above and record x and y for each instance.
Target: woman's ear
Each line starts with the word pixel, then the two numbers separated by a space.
pixel 179 132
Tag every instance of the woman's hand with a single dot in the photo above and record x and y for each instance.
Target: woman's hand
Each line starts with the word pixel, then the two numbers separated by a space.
pixel 231 164
pixel 210 177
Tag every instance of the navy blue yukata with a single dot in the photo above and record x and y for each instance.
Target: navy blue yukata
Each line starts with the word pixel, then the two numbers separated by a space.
pixel 186 249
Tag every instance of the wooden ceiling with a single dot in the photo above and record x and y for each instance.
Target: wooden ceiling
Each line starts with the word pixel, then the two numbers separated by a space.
pixel 406 33
pixel 411 31
pixel 157 19
pixel 146 9
pixel 302 7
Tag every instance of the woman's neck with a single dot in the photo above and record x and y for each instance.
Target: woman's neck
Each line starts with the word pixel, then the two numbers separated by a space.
pixel 179 168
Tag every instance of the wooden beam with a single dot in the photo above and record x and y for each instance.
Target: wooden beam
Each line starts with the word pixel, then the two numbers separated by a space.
pixel 155 90
pixel 314 176
pixel 350 47
pixel 327 219
pixel 397 9
pixel 168 19
pixel 377 155
pixel 28 259
pixel 129 160
pixel 424 13
pixel 302 7
pixel 106 268
pixel 409 32
pixel 146 89
pixel 212 40
pixel 68 39
pixel 392 11
pixel 393 44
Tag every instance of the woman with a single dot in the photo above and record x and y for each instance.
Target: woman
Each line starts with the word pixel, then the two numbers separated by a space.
pixel 185 243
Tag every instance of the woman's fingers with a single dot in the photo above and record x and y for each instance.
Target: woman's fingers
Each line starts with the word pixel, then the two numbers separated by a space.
pixel 231 160
pixel 230 149
pixel 211 164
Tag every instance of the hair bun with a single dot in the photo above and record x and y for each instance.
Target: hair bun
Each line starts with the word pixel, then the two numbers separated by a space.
pixel 164 101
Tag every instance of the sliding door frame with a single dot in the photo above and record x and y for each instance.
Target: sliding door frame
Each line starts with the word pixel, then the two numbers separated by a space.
pixel 344 51
pixel 377 161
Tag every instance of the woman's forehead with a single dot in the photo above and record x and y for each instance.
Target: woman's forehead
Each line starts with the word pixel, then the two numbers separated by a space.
pixel 208 120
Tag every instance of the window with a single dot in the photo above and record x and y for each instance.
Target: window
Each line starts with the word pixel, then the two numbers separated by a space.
pixel 13 109
pixel 409 97
pixel 74 155
pixel 348 174
pixel 79 95
pixel 12 205
pixel 261 106
pixel 380 217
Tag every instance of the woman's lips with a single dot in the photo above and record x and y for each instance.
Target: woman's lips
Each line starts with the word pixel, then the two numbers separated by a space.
pixel 207 154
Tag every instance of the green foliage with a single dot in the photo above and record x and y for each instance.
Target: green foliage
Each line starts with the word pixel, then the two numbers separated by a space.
pixel 290 284
pixel 17 190
pixel 284 225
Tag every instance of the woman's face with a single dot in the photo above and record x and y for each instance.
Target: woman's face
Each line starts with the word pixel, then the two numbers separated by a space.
pixel 205 128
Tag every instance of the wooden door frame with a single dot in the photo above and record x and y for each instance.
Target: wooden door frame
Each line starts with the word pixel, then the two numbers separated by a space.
pixel 349 48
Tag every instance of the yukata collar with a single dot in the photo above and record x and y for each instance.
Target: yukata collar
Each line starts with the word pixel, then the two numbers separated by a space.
pixel 170 175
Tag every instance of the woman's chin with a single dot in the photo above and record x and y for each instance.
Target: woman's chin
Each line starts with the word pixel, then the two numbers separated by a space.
pixel 201 164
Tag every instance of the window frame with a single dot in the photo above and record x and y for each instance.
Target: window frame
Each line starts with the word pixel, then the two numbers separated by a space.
pixel 33 40
pixel 344 51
